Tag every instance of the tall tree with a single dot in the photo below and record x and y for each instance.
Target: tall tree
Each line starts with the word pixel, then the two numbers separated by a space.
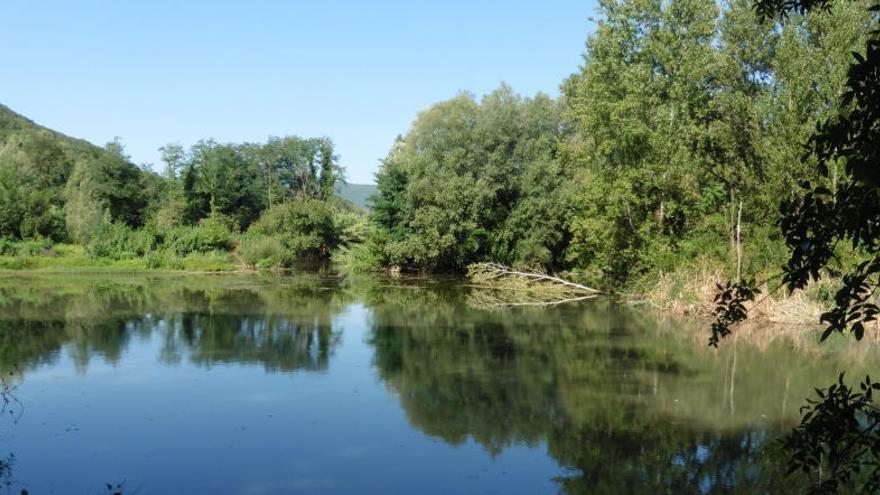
pixel 639 103
pixel 838 439
pixel 448 188
pixel 109 187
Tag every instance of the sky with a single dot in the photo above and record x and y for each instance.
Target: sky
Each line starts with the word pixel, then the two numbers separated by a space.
pixel 158 72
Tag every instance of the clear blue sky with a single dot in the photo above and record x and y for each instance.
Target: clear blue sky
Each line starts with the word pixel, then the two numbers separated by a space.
pixel 155 72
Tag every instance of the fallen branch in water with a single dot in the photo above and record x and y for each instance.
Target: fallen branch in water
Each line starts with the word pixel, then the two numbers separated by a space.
pixel 499 286
pixel 486 301
pixel 492 273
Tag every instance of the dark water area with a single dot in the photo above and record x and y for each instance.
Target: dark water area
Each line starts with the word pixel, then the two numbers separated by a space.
pixel 324 384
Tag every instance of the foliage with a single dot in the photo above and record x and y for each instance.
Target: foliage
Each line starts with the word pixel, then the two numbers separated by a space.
pixel 675 139
pixel 241 181
pixel 299 228
pixel 213 233
pixel 730 307
pixel 839 435
pixel 57 188
pixel 264 251
pixel 474 181
pixel 119 241
pixel 351 226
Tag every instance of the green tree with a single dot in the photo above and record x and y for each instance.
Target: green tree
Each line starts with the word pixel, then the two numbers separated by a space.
pixel 447 190
pixel 639 104
pixel 107 189
pixel 837 440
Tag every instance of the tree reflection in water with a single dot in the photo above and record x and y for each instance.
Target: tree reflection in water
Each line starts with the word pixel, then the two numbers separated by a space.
pixel 625 409
pixel 281 326
pixel 624 402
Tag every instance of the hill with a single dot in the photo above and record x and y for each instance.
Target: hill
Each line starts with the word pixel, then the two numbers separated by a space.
pixel 51 184
pixel 356 193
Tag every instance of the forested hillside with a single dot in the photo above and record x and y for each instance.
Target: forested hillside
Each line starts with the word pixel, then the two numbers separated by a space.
pixel 358 194
pixel 267 204
pixel 48 181
pixel 669 148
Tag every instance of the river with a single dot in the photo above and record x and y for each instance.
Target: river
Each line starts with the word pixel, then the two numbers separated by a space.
pixel 311 383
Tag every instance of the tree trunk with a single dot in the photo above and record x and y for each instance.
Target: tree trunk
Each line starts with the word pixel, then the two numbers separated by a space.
pixel 739 253
pixel 732 219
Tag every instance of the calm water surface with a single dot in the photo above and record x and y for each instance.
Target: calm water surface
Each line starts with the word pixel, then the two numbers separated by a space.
pixel 320 384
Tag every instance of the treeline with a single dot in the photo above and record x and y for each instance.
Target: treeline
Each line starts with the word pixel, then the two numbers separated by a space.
pixel 273 203
pixel 674 141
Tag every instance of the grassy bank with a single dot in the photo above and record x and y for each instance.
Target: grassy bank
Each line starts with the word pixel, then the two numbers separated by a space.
pixel 36 256
pixel 691 290
pixel 688 291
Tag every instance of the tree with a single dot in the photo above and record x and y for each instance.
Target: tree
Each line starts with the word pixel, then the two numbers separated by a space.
pixel 106 189
pixel 329 169
pixel 838 437
pixel 639 104
pixel 468 182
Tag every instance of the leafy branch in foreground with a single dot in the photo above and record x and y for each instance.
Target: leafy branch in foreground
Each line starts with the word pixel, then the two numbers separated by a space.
pixel 730 307
pixel 839 438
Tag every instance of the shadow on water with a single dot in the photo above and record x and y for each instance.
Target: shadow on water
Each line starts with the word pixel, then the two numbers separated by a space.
pixel 623 402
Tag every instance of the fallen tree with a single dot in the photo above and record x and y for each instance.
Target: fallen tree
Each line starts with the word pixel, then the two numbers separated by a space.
pixel 501 276
pixel 499 286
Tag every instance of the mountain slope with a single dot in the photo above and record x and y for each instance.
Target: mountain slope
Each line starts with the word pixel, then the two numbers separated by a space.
pixel 357 193
pixel 50 182
pixel 16 130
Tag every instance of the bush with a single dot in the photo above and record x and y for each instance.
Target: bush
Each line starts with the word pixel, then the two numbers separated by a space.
pixel 212 234
pixel 352 227
pixel 358 258
pixel 301 229
pixel 118 241
pixel 264 251
pixel 36 247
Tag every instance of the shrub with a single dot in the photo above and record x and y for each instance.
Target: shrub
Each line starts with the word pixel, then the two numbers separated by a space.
pixel 352 227
pixel 303 227
pixel 118 241
pixel 358 258
pixel 36 247
pixel 263 251
pixel 212 234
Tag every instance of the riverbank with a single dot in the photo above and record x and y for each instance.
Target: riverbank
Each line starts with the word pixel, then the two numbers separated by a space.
pixel 687 293
pixel 691 292
pixel 75 258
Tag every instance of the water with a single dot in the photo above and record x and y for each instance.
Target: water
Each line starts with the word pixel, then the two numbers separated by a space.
pixel 320 384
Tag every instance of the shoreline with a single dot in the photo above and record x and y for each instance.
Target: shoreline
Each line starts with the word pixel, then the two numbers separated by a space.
pixel 690 297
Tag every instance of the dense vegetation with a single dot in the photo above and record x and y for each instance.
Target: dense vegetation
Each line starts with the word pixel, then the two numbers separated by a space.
pixel 268 204
pixel 668 150
pixel 673 142
pixel 834 216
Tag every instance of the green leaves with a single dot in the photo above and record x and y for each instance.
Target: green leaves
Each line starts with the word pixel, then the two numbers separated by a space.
pixel 838 439
pixel 475 181
pixel 730 307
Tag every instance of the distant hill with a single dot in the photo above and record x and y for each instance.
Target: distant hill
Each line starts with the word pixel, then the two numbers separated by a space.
pixel 55 186
pixel 357 193
pixel 17 131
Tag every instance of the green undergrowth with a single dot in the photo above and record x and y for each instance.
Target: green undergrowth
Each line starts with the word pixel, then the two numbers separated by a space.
pixel 73 258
